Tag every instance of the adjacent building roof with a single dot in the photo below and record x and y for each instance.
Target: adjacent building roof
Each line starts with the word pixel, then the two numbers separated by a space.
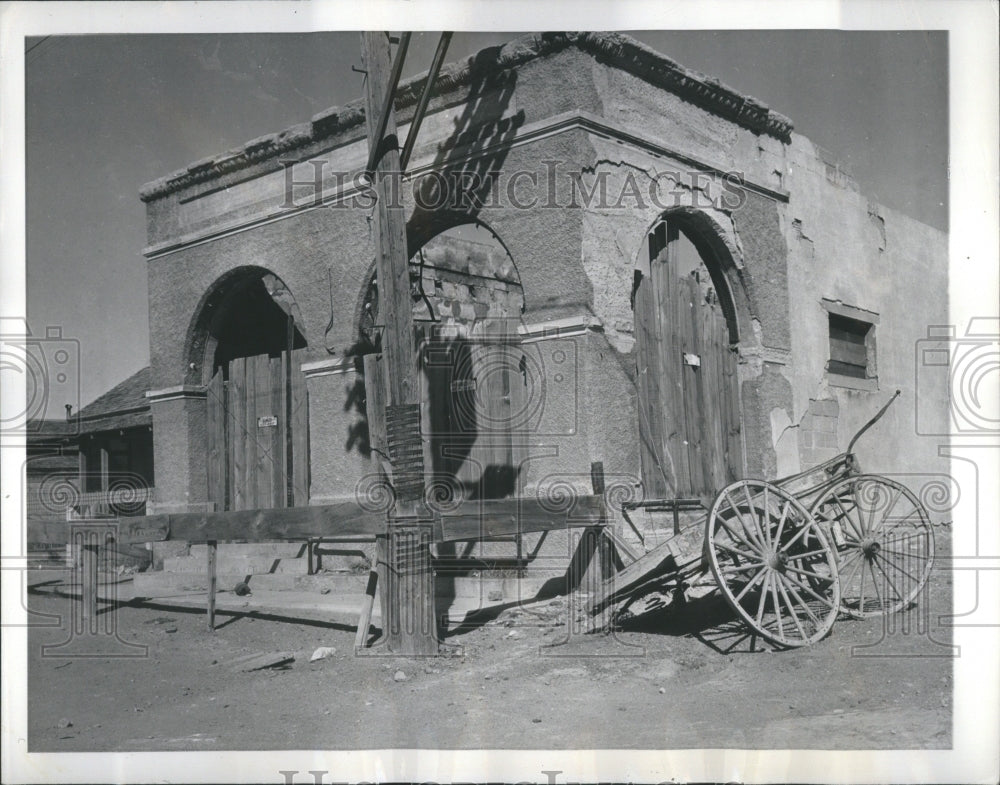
pixel 51 430
pixel 123 406
pixel 614 49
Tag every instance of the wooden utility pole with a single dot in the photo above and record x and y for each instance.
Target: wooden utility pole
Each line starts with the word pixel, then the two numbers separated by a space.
pixel 405 549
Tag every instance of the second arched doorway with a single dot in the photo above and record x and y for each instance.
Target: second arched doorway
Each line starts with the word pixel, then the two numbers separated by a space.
pixel 475 388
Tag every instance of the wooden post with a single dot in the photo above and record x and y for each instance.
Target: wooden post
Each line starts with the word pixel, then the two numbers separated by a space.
pixel 212 549
pixel 105 474
pixel 605 545
pixel 88 580
pixel 289 488
pixel 367 606
pixel 410 590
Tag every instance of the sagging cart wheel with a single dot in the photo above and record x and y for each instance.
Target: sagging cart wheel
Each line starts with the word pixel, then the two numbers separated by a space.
pixel 773 563
pixel 884 542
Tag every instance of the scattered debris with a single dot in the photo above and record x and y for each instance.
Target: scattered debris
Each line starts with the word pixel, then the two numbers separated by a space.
pixel 399 676
pixel 170 629
pixel 325 590
pixel 322 653
pixel 65 723
pixel 256 662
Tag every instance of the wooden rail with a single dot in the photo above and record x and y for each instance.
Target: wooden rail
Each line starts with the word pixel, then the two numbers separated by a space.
pixel 473 520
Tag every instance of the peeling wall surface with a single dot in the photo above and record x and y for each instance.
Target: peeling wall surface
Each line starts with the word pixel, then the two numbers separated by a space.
pixel 611 137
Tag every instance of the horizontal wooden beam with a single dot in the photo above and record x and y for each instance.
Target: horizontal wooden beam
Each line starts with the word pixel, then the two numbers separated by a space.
pixel 288 523
pixel 471 520
pixel 484 518
pixel 124 530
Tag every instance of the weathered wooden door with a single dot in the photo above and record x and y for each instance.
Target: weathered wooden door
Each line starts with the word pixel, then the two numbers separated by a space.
pixel 689 412
pixel 472 400
pixel 258 434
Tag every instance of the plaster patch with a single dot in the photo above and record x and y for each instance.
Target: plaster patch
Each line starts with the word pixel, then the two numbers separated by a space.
pixel 785 440
pixel 878 222
pixel 797 226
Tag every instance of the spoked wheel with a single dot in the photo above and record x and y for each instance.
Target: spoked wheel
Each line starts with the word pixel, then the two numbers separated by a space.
pixel 884 541
pixel 773 563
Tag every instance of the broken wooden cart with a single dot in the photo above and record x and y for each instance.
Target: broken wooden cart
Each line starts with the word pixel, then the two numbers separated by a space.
pixel 789 556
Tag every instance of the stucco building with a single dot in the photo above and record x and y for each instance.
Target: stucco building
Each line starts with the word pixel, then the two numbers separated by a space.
pixel 614 259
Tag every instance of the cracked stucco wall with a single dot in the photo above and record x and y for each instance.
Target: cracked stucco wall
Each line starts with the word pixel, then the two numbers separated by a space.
pixel 848 250
pixel 825 241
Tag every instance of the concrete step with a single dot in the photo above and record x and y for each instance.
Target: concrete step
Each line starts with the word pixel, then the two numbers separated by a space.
pixel 245 565
pixel 473 591
pixel 49 559
pixel 269 557
pixel 277 550
pixel 332 608
pixel 159 583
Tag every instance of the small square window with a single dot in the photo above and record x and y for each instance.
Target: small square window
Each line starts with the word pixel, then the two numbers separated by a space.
pixel 852 347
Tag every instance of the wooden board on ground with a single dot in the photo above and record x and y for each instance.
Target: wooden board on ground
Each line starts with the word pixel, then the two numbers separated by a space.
pixel 680 555
pixel 258 661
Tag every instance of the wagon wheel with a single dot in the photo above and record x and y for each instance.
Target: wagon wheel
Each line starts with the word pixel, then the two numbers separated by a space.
pixel 884 541
pixel 773 563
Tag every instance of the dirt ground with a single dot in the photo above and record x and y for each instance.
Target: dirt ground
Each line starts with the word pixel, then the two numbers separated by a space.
pixel 524 679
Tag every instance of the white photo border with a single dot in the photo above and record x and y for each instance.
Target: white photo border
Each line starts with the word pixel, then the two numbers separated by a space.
pixel 974 216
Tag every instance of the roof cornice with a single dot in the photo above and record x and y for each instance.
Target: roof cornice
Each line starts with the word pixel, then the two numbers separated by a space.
pixel 615 49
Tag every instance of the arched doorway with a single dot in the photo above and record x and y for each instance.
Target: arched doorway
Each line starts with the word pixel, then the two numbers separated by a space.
pixel 688 389
pixel 467 303
pixel 250 336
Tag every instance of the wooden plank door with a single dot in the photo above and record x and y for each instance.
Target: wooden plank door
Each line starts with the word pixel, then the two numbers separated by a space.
pixel 255 462
pixel 299 424
pixel 689 417
pixel 216 455
pixel 659 476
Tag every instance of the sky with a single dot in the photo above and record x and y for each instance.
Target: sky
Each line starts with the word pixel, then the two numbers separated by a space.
pixel 106 114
